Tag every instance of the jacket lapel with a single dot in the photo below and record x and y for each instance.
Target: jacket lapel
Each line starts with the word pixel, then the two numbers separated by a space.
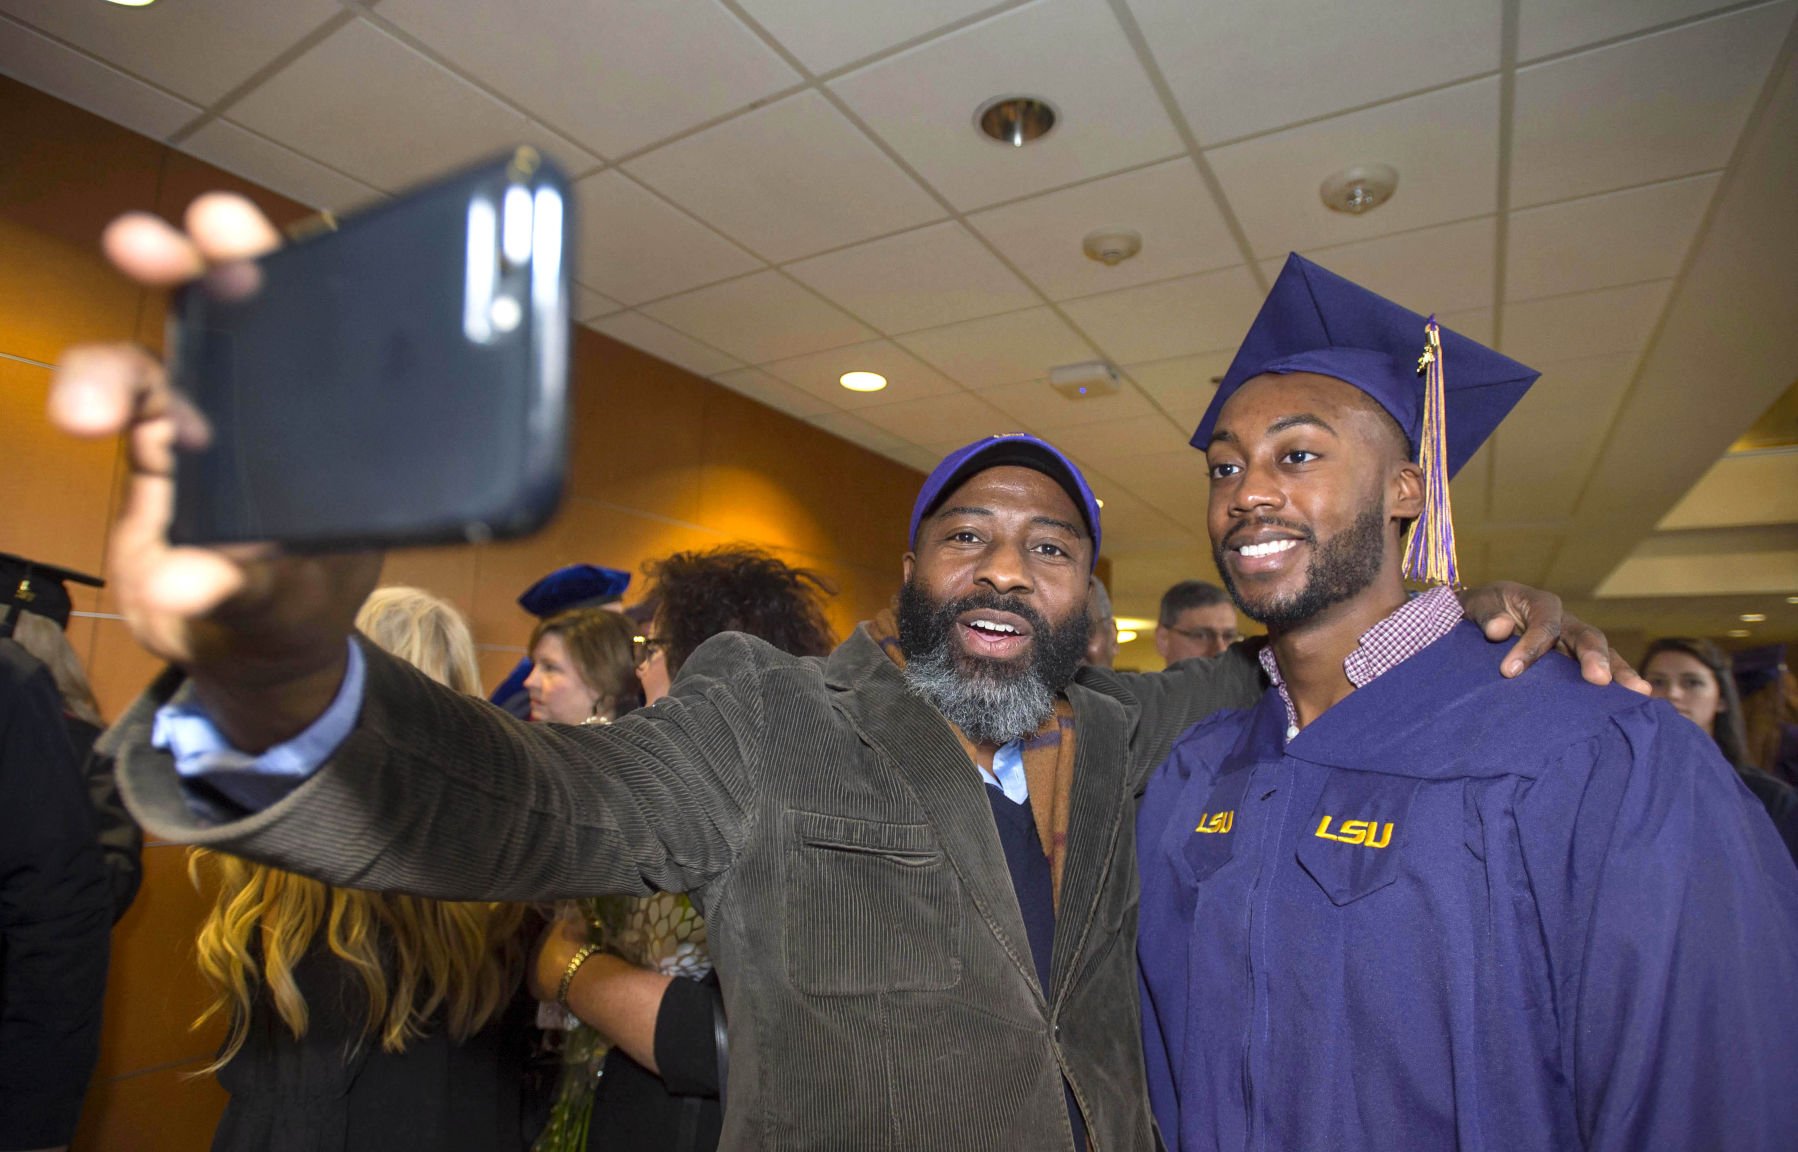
pixel 916 739
pixel 1101 746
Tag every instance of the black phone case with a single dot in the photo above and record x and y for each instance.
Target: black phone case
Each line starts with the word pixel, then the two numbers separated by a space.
pixel 401 379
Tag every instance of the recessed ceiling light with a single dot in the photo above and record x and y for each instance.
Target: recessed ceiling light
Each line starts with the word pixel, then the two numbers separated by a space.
pixel 1358 189
pixel 1135 624
pixel 1739 633
pixel 1754 617
pixel 1125 635
pixel 132 3
pixel 862 381
pixel 1792 599
pixel 1015 120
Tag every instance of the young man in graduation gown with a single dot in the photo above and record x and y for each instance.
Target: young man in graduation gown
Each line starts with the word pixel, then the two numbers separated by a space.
pixel 910 957
pixel 1400 903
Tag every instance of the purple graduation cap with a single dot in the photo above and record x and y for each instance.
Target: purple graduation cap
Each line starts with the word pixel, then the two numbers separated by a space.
pixel 1447 392
pixel 1015 448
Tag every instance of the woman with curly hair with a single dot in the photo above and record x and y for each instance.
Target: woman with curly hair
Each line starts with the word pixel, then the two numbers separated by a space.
pixel 637 971
pixel 362 1020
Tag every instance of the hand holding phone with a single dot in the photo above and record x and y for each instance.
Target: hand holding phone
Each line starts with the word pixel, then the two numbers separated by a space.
pixel 400 378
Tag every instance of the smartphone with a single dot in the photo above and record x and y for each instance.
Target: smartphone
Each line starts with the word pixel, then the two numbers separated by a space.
pixel 400 377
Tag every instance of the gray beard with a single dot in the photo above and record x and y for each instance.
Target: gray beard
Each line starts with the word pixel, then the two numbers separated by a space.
pixel 988 710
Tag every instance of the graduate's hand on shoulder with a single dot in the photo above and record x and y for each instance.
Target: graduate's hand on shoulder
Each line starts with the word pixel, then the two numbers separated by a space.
pixel 262 633
pixel 1504 608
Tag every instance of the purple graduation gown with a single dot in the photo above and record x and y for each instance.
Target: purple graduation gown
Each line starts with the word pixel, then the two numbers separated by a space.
pixel 1458 912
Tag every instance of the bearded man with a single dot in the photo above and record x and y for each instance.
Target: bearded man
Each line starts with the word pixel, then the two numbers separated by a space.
pixel 914 856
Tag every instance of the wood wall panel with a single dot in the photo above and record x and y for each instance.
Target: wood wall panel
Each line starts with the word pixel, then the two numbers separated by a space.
pixel 661 461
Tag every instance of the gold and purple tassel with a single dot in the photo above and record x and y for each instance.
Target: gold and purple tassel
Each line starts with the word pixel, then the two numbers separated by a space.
pixel 1430 552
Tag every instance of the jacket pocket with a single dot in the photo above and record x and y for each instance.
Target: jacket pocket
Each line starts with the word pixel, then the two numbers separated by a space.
pixel 1201 837
pixel 1350 846
pixel 871 907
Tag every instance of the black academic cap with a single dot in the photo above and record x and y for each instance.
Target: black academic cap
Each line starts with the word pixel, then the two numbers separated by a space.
pixel 33 586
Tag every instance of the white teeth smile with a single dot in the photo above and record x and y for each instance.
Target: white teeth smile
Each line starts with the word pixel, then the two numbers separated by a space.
pixel 991 626
pixel 1269 548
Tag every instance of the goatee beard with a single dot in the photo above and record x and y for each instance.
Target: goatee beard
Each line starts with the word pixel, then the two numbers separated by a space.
pixel 991 701
pixel 1339 570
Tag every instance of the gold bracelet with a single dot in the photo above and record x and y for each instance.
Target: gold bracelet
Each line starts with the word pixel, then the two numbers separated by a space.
pixel 581 956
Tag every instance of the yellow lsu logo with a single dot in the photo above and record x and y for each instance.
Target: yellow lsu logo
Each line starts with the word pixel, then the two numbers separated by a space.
pixel 1220 822
pixel 1370 833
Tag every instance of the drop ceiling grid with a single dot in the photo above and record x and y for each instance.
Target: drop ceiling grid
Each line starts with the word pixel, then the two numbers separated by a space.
pixel 1613 30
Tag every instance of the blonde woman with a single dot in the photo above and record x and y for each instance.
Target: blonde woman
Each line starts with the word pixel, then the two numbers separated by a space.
pixel 361 1020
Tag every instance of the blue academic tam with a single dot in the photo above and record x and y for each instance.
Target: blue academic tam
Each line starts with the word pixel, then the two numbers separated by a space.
pixel 1459 912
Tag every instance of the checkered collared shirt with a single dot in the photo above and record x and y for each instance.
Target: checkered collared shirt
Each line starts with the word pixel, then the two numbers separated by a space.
pixel 1422 621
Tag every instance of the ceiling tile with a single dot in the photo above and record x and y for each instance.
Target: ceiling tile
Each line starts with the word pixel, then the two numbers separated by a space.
pixel 635 247
pixel 1443 144
pixel 1201 313
pixel 1439 269
pixel 1069 52
pixel 959 417
pixel 788 180
pixel 1166 204
pixel 919 279
pixel 1148 434
pixel 1175 480
pixel 369 106
pixel 591 305
pixel 858 431
pixel 616 75
pixel 1000 349
pixel 1036 405
pixel 1477 324
pixel 639 331
pixel 1548 442
pixel 1665 105
pixel 760 318
pixel 1584 324
pixel 269 164
pixel 1600 241
pixel 1184 385
pixel 1213 52
pixel 84 81
pixel 774 392
pixel 1131 525
pixel 1548 26
pixel 199 49
pixel 827 34
pixel 820 374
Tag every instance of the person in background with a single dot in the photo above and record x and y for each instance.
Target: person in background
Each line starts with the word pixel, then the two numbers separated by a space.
pixel 1102 641
pixel 1769 695
pixel 652 991
pixel 1197 619
pixel 55 915
pixel 581 668
pixel 362 1020
pixel 34 610
pixel 1694 676
pixel 567 588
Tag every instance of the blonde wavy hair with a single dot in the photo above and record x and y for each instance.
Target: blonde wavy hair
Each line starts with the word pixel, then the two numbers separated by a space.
pixel 415 958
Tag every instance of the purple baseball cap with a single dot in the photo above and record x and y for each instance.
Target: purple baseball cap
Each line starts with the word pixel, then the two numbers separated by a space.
pixel 1018 449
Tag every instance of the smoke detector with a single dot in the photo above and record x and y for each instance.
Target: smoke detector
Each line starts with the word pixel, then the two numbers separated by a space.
pixel 1112 246
pixel 1084 381
pixel 1359 189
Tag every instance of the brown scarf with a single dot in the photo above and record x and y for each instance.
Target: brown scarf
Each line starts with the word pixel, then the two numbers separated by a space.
pixel 1048 761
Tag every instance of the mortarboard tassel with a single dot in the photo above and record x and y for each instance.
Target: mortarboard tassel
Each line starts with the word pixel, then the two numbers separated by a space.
pixel 1430 552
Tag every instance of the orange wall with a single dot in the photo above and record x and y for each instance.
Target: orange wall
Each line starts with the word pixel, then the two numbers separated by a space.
pixel 662 460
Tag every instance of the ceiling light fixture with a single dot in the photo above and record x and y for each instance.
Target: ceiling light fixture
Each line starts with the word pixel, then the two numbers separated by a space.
pixel 132 3
pixel 1015 120
pixel 1125 635
pixel 1754 617
pixel 1360 188
pixel 1739 633
pixel 862 381
pixel 1792 599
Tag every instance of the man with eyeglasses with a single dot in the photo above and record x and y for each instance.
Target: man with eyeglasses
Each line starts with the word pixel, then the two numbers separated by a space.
pixel 1197 619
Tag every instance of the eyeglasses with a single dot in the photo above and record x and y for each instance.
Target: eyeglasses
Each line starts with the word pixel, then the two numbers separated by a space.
pixel 643 647
pixel 1224 636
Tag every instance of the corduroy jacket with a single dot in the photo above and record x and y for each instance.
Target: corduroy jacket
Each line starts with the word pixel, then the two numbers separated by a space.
pixel 876 973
